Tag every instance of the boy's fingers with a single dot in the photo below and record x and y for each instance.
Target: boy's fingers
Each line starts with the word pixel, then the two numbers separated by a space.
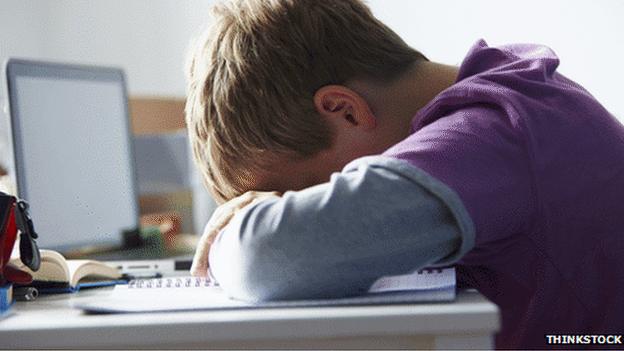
pixel 200 259
pixel 199 268
pixel 220 218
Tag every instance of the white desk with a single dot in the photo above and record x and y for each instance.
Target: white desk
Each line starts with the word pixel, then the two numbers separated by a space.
pixel 50 322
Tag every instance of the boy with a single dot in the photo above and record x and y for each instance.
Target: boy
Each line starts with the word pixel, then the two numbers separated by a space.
pixel 501 166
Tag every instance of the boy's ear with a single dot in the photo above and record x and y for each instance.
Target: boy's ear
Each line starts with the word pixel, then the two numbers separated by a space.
pixel 341 104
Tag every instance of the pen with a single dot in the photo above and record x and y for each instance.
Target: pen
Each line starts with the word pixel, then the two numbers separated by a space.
pixel 25 293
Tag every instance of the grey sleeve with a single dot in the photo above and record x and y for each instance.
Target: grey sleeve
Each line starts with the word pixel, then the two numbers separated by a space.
pixel 379 216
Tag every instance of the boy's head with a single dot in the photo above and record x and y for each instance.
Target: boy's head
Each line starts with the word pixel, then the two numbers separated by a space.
pixel 267 99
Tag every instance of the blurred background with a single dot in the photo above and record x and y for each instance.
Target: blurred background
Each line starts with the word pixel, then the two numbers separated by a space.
pixel 149 40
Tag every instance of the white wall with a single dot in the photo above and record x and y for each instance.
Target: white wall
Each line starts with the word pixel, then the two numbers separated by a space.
pixel 588 36
pixel 148 38
pixel 28 17
pixel 22 28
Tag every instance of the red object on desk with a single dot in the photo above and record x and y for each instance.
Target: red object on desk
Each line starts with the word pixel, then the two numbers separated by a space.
pixel 8 234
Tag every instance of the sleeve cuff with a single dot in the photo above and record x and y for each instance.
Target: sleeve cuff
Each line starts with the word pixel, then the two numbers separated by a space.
pixel 447 195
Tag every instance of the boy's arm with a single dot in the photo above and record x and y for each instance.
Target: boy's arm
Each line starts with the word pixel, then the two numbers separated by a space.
pixel 380 216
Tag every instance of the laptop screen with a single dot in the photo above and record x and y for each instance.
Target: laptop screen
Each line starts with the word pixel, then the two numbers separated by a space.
pixel 73 154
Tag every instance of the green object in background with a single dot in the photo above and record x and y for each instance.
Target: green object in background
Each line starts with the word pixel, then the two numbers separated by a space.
pixel 153 242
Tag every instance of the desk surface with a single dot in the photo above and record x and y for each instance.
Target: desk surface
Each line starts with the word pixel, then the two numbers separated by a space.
pixel 50 322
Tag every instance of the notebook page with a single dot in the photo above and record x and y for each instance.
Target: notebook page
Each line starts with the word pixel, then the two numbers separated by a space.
pixel 193 293
pixel 423 279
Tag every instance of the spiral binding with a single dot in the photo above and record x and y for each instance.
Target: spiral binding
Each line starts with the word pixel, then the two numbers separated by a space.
pixel 172 283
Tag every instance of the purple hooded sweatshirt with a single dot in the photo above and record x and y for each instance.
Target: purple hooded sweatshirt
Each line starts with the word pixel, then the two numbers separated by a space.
pixel 539 165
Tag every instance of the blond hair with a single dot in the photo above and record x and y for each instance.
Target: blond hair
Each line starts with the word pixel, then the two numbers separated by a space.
pixel 253 75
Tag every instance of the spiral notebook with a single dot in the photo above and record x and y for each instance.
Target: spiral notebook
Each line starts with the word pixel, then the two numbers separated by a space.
pixel 192 294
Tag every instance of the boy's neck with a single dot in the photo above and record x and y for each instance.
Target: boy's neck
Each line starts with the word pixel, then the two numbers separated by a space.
pixel 400 100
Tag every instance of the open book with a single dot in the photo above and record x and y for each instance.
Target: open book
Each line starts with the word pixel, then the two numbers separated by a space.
pixel 190 293
pixel 58 274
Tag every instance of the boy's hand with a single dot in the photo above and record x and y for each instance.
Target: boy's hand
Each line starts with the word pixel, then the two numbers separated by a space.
pixel 220 218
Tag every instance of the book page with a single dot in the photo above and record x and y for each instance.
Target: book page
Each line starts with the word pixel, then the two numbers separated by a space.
pixel 81 270
pixel 53 267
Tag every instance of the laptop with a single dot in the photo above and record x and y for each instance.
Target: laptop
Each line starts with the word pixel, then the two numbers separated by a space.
pixel 74 161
